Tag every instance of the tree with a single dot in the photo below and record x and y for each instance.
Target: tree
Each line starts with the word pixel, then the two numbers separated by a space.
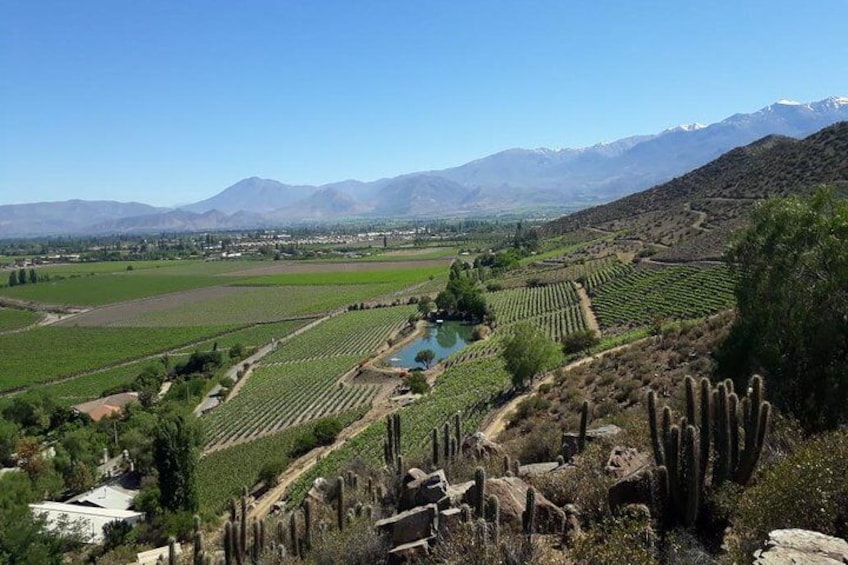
pixel 22 278
pixel 33 276
pixel 175 456
pixel 13 279
pixel 425 357
pixel 792 306
pixel 528 352
pixel 579 341
pixel 425 305
pixel 9 436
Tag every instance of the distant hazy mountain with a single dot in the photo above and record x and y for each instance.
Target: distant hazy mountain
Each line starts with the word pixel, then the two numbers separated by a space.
pixel 47 218
pixel 510 180
pixel 252 195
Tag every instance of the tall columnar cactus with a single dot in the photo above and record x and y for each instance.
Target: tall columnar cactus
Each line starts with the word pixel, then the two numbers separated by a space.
pixel 257 542
pixel 295 542
pixel 479 491
pixel 243 524
pixel 400 466
pixel 197 538
pixel 307 524
pixel 528 519
pixel 340 504
pixel 494 512
pixel 454 448
pixel 172 551
pixel 465 513
pixel 584 423
pixel 229 543
pixel 656 439
pixel 280 533
pixel 434 435
pixel 507 465
pixel 712 424
pixel 457 428
pixel 691 472
pixel 446 441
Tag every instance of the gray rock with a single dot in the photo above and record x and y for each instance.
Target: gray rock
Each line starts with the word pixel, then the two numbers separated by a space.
pixel 788 547
pixel 479 446
pixel 570 440
pixel 412 552
pixel 406 527
pixel 427 489
pixel 624 461
pixel 635 488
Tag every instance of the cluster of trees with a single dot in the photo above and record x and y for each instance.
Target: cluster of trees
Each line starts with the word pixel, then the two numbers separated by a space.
pixel 462 298
pixel 22 276
pixel 792 306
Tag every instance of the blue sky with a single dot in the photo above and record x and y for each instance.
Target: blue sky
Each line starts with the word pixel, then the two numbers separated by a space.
pixel 166 102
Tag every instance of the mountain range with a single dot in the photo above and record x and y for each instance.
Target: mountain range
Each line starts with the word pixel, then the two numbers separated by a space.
pixel 508 181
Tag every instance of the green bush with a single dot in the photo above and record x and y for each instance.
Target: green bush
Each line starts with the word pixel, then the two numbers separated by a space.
pixel 808 490
pixel 270 472
pixel 325 430
pixel 623 539
pixel 530 406
pixel 577 342
pixel 417 383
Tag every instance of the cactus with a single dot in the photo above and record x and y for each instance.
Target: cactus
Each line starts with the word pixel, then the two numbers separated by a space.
pixel 479 491
pixel 446 440
pixel 172 551
pixel 691 476
pixel 494 511
pixel 481 531
pixel 465 513
pixel 229 543
pixel 516 467
pixel 560 460
pixel 257 542
pixel 454 448
pixel 435 438
pixel 397 429
pixel 307 524
pixel 295 545
pixel 243 524
pixel 660 495
pixel 340 504
pixel 400 465
pixel 457 428
pixel 280 531
pixel 715 425
pixel 528 519
pixel 199 551
pixel 584 422
pixel 656 440
pixel 507 464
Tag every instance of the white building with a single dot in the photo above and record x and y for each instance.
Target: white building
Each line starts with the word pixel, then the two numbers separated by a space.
pixel 84 520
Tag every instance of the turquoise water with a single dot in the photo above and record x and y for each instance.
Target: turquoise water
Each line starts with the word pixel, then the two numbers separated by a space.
pixel 443 339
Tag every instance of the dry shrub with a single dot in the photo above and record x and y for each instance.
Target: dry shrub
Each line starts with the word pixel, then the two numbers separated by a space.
pixel 623 539
pixel 807 490
pixel 358 544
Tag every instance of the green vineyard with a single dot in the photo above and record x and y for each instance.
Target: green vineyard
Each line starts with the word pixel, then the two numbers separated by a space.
pixel 522 303
pixel 357 333
pixel 646 294
pixel 285 395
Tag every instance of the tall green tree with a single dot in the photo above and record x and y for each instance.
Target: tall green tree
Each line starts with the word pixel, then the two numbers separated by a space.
pixel 33 276
pixel 528 353
pixel 175 453
pixel 13 279
pixel 425 357
pixel 22 277
pixel 792 306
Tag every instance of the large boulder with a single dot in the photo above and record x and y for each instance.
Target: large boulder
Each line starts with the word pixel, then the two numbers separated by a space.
pixel 511 493
pixel 785 547
pixel 571 440
pixel 635 488
pixel 413 525
pixel 478 446
pixel 426 489
pixel 413 552
pixel 536 469
pixel 624 461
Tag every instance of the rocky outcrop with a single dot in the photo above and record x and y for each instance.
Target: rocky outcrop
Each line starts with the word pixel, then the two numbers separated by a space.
pixel 426 489
pixel 635 488
pixel 624 461
pixel 571 440
pixel 420 523
pixel 785 547
pixel 511 493
pixel 478 446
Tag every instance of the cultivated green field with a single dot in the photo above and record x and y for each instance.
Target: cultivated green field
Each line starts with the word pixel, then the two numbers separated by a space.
pixel 470 389
pixel 358 333
pixel 641 296
pixel 397 277
pixel 259 304
pixel 48 353
pixel 223 474
pixel 15 319
pixel 284 395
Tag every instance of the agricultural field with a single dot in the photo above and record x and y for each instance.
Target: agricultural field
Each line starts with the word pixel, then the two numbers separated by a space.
pixel 647 294
pixel 593 281
pixel 470 389
pixel 522 303
pixel 49 353
pixel 553 271
pixel 107 288
pixel 16 319
pixel 222 475
pixel 399 277
pixel 358 333
pixel 230 305
pixel 283 395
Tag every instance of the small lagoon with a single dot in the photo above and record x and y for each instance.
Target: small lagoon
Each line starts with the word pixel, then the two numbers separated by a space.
pixel 444 339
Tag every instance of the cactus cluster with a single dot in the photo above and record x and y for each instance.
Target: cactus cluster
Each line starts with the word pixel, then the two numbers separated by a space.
pixel 567 442
pixel 391 447
pixel 712 425
pixel 450 445
pixel 528 518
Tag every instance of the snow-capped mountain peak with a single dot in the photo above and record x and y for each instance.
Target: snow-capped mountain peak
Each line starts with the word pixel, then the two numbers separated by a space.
pixel 686 127
pixel 785 102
